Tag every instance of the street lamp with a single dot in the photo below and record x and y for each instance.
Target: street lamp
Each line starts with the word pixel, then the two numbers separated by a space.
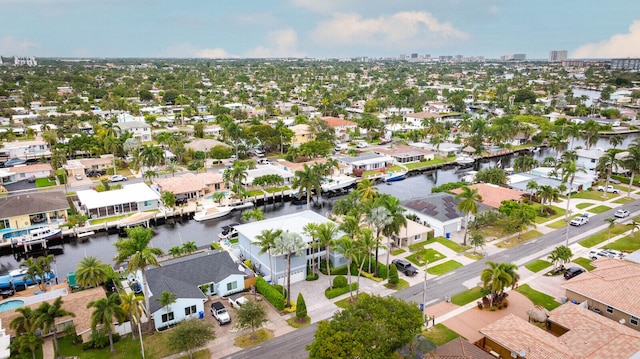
pixel 424 296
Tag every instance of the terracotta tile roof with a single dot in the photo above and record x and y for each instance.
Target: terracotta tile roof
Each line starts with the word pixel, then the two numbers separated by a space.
pixel 613 282
pixel 458 349
pixel 404 150
pixel 336 122
pixel 31 168
pixel 103 160
pixel 493 195
pixel 188 182
pixel 423 115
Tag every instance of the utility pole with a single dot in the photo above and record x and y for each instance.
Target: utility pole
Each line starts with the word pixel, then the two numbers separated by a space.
pixel 424 296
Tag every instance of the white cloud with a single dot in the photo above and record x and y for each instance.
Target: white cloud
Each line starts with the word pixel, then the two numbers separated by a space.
pixel 279 43
pixel 403 30
pixel 318 5
pixel 10 45
pixel 618 45
pixel 187 50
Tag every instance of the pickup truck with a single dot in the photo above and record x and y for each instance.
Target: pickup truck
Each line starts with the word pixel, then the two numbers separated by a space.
pixel 579 221
pixel 237 301
pixel 220 313
pixel 405 267
pixel 610 189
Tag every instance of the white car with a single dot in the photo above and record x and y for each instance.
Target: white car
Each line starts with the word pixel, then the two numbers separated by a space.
pixel 621 213
pixel 259 153
pixel 595 254
pixel 79 177
pixel 579 221
pixel 117 178
pixel 237 301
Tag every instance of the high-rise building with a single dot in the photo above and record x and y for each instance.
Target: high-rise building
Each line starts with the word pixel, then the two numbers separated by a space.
pixel 625 64
pixel 513 57
pixel 414 55
pixel 557 55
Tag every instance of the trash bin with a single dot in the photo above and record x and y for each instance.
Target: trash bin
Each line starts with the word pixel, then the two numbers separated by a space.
pixel 448 235
pixel 563 300
pixel 200 315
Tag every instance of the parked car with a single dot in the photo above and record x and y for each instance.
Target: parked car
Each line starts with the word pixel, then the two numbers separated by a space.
pixel 117 178
pixel 233 158
pixel 237 301
pixel 341 147
pixel 621 213
pixel 579 221
pixel 384 142
pixel 599 253
pixel 572 272
pixel 79 177
pixel 614 181
pixel 264 161
pixel 361 144
pixel 96 173
pixel 610 189
pixel 614 253
pixel 220 313
pixel 405 267
pixel 258 153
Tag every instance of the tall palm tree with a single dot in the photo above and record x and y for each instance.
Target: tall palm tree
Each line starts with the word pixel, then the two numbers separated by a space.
pixel 499 276
pixel 132 306
pixel 136 251
pixel 590 133
pixel 47 314
pixel 398 220
pixel 364 245
pixel 311 229
pixel 568 168
pixel 288 244
pixel 468 206
pixel 606 162
pixel 524 164
pixel 348 249
pixel 25 328
pixel 331 164
pixel 558 143
pixel 38 270
pixel 378 218
pixel 307 180
pixel 105 311
pixel 91 272
pixel 166 299
pixel 367 190
pixel 573 130
pixel 547 193
pixel 616 140
pixel 327 233
pixel 267 242
pixel 632 162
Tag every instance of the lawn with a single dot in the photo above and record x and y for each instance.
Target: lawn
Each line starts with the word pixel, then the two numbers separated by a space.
pixel 108 219
pixel 125 348
pixel 538 298
pixel 276 189
pixel 475 257
pixel 395 252
pixel 444 267
pixel 245 341
pixel 514 241
pixel 557 224
pixel 594 195
pixel 426 254
pixel 599 209
pixel 456 247
pixel 293 322
pixel 583 205
pixel 402 284
pixel 394 169
pixel 255 192
pixel 559 212
pixel 623 200
pixel 416 165
pixel 439 334
pixel 603 236
pixel 467 296
pixel 344 303
pixel 537 265
pixel 44 182
pixel 626 244
pixel 584 263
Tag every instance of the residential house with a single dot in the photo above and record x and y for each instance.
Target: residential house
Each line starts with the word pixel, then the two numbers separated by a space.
pixel 573 332
pixel 519 181
pixel 75 167
pixel 292 167
pixel 364 161
pixel 588 160
pixel 249 246
pixel 35 208
pixel 25 149
pixel 458 349
pixel 410 234
pixel 581 181
pixel 493 195
pixel 190 185
pixel 137 197
pixel 406 154
pixel 301 134
pixel 263 170
pixel 205 144
pixel 24 172
pixel 341 127
pixel 192 278
pixel 612 289
pixel 416 119
pixel 598 120
pixel 139 129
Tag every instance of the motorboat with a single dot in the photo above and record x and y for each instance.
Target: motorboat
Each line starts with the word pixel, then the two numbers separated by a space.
pixel 211 213
pixel 464 159
pixel 20 279
pixel 244 205
pixel 394 176
pixel 228 232
pixel 337 183
pixel 470 177
pixel 32 235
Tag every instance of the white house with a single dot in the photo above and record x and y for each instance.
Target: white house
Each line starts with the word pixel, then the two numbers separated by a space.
pixel 249 246
pixel 25 149
pixel 365 161
pixel 137 197
pixel 191 279
pixel 139 129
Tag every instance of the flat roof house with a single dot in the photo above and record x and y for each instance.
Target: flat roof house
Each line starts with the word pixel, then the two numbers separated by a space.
pixel 137 197
pixel 407 154
pixel 364 161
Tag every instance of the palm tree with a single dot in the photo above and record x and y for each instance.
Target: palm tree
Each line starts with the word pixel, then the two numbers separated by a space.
pixel 607 161
pixel 367 190
pixel 558 143
pixel 398 220
pixel 547 193
pixel 616 140
pixel 590 133
pixel 38 270
pixel 532 186
pixel 632 162
pixel 25 328
pixel 326 235
pixel 573 130
pixel 468 206
pixel 347 248
pixel 267 241
pixel 289 243
pixel 499 276
pixel 568 168
pixel 106 310
pixel 135 249
pixel 307 180
pixel 132 306
pixel 378 218
pixel 166 299
pixel 331 164
pixel 365 244
pixel 524 164
pixel 311 229
pixel 189 247
pixel 152 156
pixel 46 315
pixel 612 223
pixel 91 272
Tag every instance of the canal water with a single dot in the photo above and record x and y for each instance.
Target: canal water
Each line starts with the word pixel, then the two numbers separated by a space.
pixel 203 233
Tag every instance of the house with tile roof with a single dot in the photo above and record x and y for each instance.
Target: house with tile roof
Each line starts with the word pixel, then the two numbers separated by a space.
pixel 190 185
pixel 612 289
pixel 35 208
pixel 493 195
pixel 301 134
pixel 572 332
pixel 458 349
pixel 192 278
pixel 341 127
pixel 25 172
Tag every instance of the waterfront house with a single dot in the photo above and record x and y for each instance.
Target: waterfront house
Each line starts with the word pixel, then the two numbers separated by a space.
pixel 25 149
pixel 190 185
pixel 192 278
pixel 34 208
pixel 416 119
pixel 581 181
pixel 139 129
pixel 364 161
pixel 406 154
pixel 292 167
pixel 493 195
pixel 75 167
pixel 263 170
pixel 137 197
pixel 410 234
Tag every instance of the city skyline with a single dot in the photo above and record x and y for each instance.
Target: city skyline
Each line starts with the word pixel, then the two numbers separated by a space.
pixel 319 29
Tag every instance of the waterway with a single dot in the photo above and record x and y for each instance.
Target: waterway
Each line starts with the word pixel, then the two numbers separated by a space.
pixel 203 233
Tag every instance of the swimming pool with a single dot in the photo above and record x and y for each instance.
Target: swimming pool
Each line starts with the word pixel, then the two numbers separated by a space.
pixel 210 197
pixel 11 304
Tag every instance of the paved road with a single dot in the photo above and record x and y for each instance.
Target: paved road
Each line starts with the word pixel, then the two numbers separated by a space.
pixel 291 345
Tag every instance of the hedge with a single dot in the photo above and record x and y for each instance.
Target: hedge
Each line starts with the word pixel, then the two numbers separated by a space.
pixel 270 293
pixel 336 292
pixel 340 281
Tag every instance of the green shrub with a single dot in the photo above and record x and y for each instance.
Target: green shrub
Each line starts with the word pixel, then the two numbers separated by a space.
pixel 340 281
pixel 336 292
pixel 301 307
pixel 281 289
pixel 216 246
pixel 270 293
pixel 312 277
pixel 393 275
pixel 323 267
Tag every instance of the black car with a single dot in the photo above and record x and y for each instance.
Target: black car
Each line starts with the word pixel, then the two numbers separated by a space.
pixel 405 267
pixel 572 272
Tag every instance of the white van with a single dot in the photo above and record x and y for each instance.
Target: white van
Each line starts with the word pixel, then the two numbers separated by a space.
pixel 341 147
pixel 362 144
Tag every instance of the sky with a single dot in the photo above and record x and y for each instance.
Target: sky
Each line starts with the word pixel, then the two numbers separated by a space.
pixel 318 28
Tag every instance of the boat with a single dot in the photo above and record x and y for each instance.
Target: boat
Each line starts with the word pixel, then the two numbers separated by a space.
pixel 228 232
pixel 394 176
pixel 20 279
pixel 244 205
pixel 211 213
pixel 32 235
pixel 463 159
pixel 337 183
pixel 470 177
pixel 6 282
pixel 464 168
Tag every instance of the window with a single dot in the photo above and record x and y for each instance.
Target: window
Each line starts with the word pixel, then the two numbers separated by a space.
pixel 232 286
pixel 167 317
pixel 190 310
pixel 609 309
pixel 148 203
pixel 417 237
pixel 633 320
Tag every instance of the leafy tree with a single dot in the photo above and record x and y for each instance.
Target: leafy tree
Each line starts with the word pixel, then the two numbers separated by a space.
pixel 477 241
pixel 168 198
pixel 38 269
pixel 191 334
pixel 252 214
pixel 105 311
pixel 499 276
pixel 92 272
pixel 468 206
pixel 46 315
pixel 492 175
pixel 394 279
pixel 251 315
pixel 306 180
pixel 547 193
pixel 385 324
pixel 559 256
pixel 524 164
pixel 175 251
pixel 301 308
pixel 132 306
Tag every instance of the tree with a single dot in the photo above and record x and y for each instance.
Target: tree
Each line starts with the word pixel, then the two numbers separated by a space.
pixel 326 235
pixel 39 270
pixel 499 276
pixel 385 324
pixel 476 240
pixel 47 314
pixel 168 198
pixel 189 247
pixel 191 334
pixel 252 214
pixel 306 180
pixel 524 164
pixel 394 279
pixel 398 220
pixel 91 272
pixel 267 242
pixel 166 299
pixel 632 163
pixel 568 168
pixel 611 223
pixel 495 176
pixel 301 308
pixel 136 251
pixel 251 315
pixel 289 243
pixel 547 193
pixel 378 218
pixel 132 306
pixel 311 229
pixel 25 328
pixel 607 161
pixel 559 256
pixel 468 206
pixel 367 189
pixel 347 248
pixel 105 311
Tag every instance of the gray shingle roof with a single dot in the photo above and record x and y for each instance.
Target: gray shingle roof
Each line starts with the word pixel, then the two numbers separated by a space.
pixel 32 203
pixel 440 206
pixel 183 276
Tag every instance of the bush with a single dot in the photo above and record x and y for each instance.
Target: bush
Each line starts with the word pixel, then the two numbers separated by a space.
pixel 323 267
pixel 301 307
pixel 270 293
pixel 312 277
pixel 393 275
pixel 99 340
pixel 336 292
pixel 216 246
pixel 281 289
pixel 340 282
